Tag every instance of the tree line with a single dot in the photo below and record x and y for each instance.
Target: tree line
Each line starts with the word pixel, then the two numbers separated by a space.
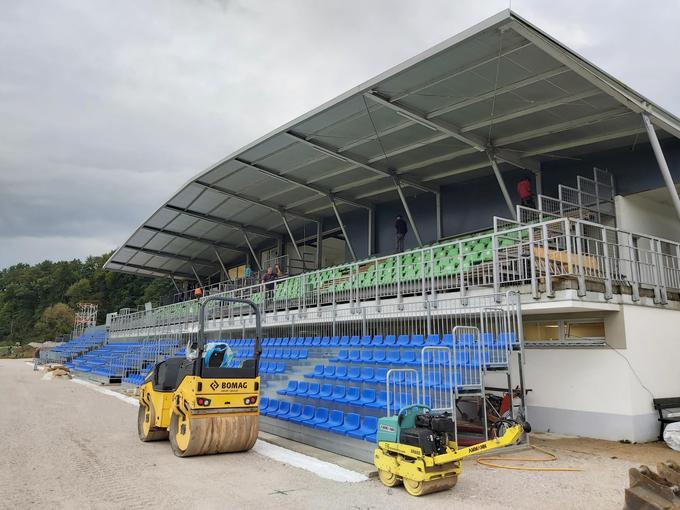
pixel 38 302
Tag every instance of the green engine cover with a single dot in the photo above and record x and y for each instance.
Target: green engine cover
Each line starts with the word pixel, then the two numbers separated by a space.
pixel 389 427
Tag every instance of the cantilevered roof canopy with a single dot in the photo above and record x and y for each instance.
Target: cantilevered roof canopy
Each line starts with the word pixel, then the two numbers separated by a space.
pixel 501 88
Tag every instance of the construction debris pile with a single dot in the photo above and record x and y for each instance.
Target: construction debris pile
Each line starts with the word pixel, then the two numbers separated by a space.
pixel 649 490
pixel 59 371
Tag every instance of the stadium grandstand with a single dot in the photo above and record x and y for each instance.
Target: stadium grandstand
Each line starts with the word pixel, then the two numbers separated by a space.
pixel 551 301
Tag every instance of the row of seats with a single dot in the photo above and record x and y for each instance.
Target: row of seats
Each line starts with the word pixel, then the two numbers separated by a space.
pixel 75 347
pixel 322 418
pixel 380 341
pixel 408 358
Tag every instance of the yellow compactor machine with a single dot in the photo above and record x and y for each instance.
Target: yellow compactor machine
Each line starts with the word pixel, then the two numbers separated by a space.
pixel 199 402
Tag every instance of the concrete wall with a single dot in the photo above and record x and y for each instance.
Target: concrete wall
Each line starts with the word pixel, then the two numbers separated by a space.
pixel 641 213
pixel 598 392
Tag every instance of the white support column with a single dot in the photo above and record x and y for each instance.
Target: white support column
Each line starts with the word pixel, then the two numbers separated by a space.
pixel 407 209
pixel 501 183
pixel 252 251
pixel 663 165
pixel 319 243
pixel 175 284
pixel 224 269
pixel 292 238
pixel 198 278
pixel 438 213
pixel 539 182
pixel 371 232
pixel 342 227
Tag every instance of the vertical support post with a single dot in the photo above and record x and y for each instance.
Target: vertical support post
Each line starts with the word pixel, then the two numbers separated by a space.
pixel 438 213
pixel 581 278
pixel 342 227
pixel 661 160
pixel 175 284
pixel 496 267
pixel 252 251
pixel 461 272
pixel 663 296
pixel 219 259
pixel 198 278
pixel 319 243
pixel 608 292
pixel 532 264
pixel 407 209
pixel 634 269
pixel 371 232
pixel 501 183
pixel 292 239
pixel 546 261
pixel 538 174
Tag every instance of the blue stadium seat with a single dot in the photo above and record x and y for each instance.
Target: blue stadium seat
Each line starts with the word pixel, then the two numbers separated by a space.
pixel 341 372
pixel 354 356
pixel 367 374
pixel 326 341
pixel 325 392
pixel 318 372
pixel 307 414
pixel 290 389
pixel 377 341
pixel 355 341
pixel 390 340
pixel 302 388
pixel 320 416
pixel 329 372
pixel 313 390
pixel 285 341
pixel 335 419
pixel 352 396
pixel 380 376
pixel 352 422
pixel 295 411
pixel 344 341
pixel 280 367
pixel 393 357
pixel 308 341
pixel 338 392
pixel 284 407
pixel 286 353
pixel 409 358
pixel 447 340
pixel 343 355
pixel 264 402
pixel 367 397
pixel 366 341
pixel 366 356
pixel 417 340
pixel 303 353
pixel 271 407
pixel 379 356
pixel 403 341
pixel 432 340
pixel 380 401
pixel 368 427
pixel 316 341
pixel 335 341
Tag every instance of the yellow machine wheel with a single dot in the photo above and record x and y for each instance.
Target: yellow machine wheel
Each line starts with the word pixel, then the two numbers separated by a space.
pixel 415 488
pixel 206 435
pixel 388 479
pixel 145 429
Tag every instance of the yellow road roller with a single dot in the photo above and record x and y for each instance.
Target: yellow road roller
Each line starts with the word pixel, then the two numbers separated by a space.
pixel 199 402
pixel 415 448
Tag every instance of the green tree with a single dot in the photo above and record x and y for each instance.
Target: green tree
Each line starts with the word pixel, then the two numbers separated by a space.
pixel 56 320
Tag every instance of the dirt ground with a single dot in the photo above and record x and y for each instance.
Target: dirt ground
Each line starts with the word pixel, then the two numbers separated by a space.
pixel 67 446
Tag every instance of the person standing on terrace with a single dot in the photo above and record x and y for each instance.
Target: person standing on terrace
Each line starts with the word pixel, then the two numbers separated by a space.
pixel 400 231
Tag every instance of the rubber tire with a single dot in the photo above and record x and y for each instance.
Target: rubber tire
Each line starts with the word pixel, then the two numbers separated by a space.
pixel 154 433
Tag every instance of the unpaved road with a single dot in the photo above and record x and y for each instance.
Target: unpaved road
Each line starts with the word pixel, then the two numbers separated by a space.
pixel 67 446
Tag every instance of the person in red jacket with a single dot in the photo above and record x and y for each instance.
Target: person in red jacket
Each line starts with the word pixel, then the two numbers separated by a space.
pixel 526 195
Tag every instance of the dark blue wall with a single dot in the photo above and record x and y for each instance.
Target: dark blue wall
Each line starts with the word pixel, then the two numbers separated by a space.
pixel 471 205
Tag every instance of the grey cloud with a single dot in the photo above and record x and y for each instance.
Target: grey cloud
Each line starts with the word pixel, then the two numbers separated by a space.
pixel 108 107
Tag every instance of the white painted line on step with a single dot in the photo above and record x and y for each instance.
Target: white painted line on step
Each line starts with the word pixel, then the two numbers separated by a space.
pixel 124 398
pixel 316 466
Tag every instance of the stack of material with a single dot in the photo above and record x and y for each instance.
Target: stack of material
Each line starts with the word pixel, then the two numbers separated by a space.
pixel 649 490
pixel 52 371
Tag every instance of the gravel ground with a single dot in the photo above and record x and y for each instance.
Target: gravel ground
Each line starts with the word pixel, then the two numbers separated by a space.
pixel 67 446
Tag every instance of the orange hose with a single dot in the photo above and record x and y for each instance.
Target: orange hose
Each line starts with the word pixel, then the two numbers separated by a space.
pixel 486 461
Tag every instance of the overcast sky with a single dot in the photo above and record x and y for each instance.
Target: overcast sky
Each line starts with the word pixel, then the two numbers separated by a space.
pixel 106 108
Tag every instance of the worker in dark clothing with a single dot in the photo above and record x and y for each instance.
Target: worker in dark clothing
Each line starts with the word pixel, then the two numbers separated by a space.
pixel 268 278
pixel 400 230
pixel 526 195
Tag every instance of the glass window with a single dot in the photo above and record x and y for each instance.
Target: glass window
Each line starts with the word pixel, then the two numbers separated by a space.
pixel 565 332
pixel 584 330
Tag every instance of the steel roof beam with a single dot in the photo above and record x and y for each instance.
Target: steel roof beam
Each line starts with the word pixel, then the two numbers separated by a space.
pixel 252 251
pixel 222 221
pixel 344 231
pixel 454 132
pixel 194 239
pixel 301 183
pixel 335 154
pixel 254 201
pixel 157 271
pixel 292 238
pixel 169 255
pixel 198 278
pixel 410 217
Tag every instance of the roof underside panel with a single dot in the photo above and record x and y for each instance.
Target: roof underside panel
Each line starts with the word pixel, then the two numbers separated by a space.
pixel 501 85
